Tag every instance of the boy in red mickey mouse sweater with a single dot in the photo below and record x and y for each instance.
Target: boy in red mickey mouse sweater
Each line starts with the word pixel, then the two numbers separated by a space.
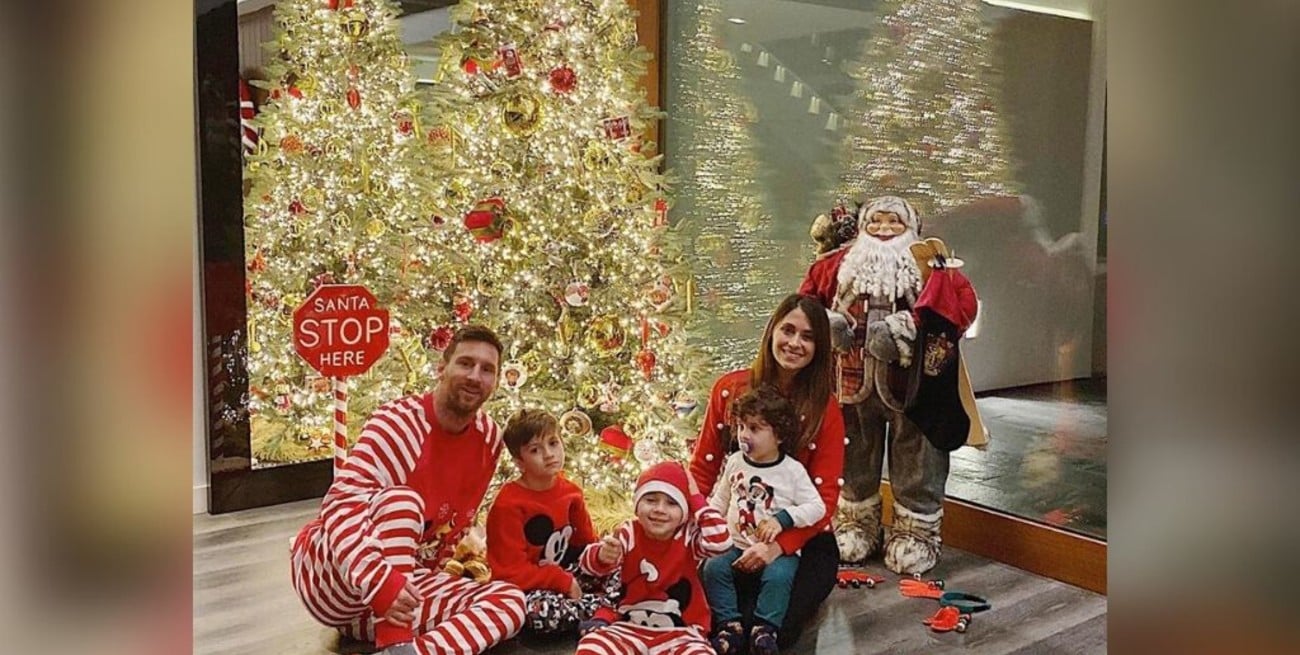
pixel 538 526
pixel 663 610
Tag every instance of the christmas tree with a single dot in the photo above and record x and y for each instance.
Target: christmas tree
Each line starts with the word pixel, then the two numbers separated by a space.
pixel 924 123
pixel 719 207
pixel 341 192
pixel 573 265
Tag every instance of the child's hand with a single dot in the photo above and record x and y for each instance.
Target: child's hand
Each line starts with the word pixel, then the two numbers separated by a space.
pixel 610 550
pixel 591 625
pixel 768 528
pixel 575 591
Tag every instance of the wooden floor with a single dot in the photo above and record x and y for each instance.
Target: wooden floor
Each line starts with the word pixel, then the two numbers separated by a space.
pixel 243 603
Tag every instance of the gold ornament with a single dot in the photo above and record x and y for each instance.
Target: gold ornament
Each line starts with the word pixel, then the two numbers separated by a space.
pixel 634 425
pixel 355 24
pixel 619 33
pixel 595 156
pixel 605 335
pixel 442 139
pixel 635 195
pixel 341 220
pixel 307 84
pixel 456 194
pixel 589 395
pixel 376 228
pixel 566 327
pixel 532 361
pixel 501 169
pixel 254 346
pixel 575 423
pixel 522 114
pixel 313 197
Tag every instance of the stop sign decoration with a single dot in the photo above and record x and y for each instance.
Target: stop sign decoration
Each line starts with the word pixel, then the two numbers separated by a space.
pixel 340 330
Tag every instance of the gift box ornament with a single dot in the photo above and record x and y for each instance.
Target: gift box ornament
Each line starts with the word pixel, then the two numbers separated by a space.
pixel 487 220
pixel 616 441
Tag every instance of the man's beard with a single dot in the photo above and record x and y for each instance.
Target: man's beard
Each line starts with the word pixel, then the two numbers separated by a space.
pixel 882 269
pixel 456 405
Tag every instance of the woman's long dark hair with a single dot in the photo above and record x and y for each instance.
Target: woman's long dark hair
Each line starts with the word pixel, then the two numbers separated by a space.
pixel 813 383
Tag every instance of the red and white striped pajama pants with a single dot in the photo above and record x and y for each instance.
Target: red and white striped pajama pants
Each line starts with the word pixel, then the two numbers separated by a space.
pixel 631 639
pixel 458 616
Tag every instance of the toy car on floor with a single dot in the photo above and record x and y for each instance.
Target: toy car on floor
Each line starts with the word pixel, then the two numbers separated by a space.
pixel 857 580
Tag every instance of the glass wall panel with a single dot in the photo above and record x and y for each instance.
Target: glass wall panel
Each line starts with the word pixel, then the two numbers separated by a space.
pixel 778 110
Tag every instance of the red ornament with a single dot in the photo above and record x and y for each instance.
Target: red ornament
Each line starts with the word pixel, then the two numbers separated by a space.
pixel 257 264
pixel 405 122
pixel 354 98
pixel 439 338
pixel 563 79
pixel 472 65
pixel 616 441
pixel 295 92
pixel 296 207
pixel 461 307
pixel 335 5
pixel 438 220
pixel 487 221
pixel 645 360
pixel 661 212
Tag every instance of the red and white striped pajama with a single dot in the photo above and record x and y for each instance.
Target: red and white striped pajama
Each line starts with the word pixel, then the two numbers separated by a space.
pixel 631 639
pixel 350 564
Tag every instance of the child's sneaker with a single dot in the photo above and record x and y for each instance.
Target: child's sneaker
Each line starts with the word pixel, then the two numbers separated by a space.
pixel 762 640
pixel 728 638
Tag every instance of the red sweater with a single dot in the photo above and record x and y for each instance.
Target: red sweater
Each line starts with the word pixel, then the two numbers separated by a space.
pixel 533 536
pixel 824 456
pixel 402 444
pixel 660 578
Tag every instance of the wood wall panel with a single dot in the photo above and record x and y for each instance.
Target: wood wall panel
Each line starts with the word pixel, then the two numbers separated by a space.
pixel 649 32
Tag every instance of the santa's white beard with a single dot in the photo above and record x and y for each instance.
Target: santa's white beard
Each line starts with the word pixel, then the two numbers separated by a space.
pixel 883 269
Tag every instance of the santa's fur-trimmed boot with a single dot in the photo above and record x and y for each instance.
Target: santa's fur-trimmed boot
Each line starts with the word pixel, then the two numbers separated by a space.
pixel 914 542
pixel 857 528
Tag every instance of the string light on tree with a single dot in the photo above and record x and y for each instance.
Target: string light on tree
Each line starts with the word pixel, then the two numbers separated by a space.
pixel 340 193
pixel 541 110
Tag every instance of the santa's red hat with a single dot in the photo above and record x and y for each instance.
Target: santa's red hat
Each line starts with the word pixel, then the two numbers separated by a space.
pixel 949 294
pixel 666 478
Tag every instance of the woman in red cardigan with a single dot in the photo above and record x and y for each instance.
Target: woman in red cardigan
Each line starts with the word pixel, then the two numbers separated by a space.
pixel 795 357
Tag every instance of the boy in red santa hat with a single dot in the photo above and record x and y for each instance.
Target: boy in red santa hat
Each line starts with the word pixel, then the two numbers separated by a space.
pixel 662 610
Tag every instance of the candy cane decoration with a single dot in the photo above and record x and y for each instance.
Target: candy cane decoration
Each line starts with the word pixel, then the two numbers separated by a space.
pixel 248 133
pixel 340 423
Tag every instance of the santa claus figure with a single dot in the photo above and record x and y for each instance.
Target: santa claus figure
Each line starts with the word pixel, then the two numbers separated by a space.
pixel 892 351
